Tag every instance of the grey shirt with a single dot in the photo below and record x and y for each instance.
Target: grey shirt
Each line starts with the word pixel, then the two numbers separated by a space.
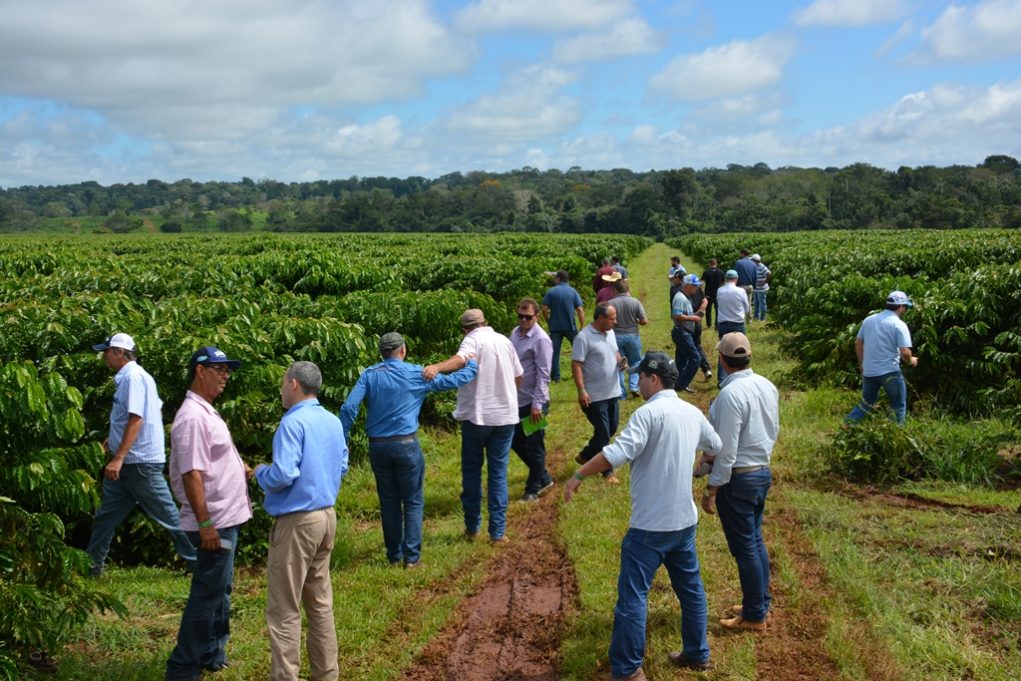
pixel 598 354
pixel 629 313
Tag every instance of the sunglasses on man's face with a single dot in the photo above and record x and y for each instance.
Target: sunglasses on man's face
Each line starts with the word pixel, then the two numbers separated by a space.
pixel 525 317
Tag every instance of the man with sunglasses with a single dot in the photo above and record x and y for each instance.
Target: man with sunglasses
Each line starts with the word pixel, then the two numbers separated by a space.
pixel 535 352
pixel 209 479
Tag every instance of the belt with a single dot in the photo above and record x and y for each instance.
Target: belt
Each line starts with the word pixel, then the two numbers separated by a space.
pixel 393 438
pixel 746 469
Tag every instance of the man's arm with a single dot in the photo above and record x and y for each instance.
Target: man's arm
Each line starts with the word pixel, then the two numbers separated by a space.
pixel 349 411
pixel 906 356
pixel 454 363
pixel 545 313
pixel 195 490
pixel 579 381
pixel 288 443
pixel 580 311
pixel 456 379
pixel 859 349
pixel 131 431
pixel 597 464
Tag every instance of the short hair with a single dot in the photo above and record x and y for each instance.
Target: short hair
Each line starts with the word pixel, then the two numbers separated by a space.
pixel 894 306
pixel 668 381
pixel 738 363
pixel 562 275
pixel 744 251
pixel 602 310
pixel 675 258
pixel 620 286
pixel 712 262
pixel 528 302
pixel 615 258
pixel 307 375
pixel 606 261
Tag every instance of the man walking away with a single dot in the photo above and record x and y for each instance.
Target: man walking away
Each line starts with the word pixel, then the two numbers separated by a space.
pixel 560 305
pixel 713 278
pixel 630 315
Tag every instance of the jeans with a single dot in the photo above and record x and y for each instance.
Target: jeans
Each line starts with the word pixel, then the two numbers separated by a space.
pixel 399 469
pixel 641 554
pixel 140 484
pixel 630 347
pixel 759 305
pixel 531 449
pixel 604 416
pixel 740 504
pixel 492 445
pixel 558 338
pixel 704 359
pixel 205 624
pixel 710 306
pixel 723 328
pixel 896 391
pixel 686 356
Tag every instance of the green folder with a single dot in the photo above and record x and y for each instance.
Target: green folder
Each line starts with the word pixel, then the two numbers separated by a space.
pixel 530 426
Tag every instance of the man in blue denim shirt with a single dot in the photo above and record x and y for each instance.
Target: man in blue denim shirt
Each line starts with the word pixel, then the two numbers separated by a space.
pixel 747 416
pixel 395 391
pixel 134 474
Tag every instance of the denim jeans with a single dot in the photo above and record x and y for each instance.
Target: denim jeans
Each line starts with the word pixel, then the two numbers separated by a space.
pixel 723 328
pixel 896 391
pixel 710 306
pixel 558 338
pixel 740 504
pixel 604 416
pixel 641 554
pixel 704 359
pixel 399 469
pixel 140 484
pixel 489 444
pixel 205 624
pixel 686 356
pixel 630 347
pixel 759 305
pixel 531 449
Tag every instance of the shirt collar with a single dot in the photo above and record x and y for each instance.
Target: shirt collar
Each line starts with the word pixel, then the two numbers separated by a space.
pixel 311 401
pixel 744 373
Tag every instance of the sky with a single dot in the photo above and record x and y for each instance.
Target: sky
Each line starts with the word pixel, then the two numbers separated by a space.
pixel 301 90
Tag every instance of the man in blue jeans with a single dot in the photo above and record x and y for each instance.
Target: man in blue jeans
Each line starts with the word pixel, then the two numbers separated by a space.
pixel 630 315
pixel 595 360
pixel 659 441
pixel 394 391
pixel 882 344
pixel 686 321
pixel 560 305
pixel 134 474
pixel 747 416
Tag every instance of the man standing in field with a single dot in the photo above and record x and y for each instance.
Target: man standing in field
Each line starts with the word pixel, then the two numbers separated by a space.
pixel 687 355
pixel 699 303
pixel 659 441
pixel 560 305
pixel 535 352
pixel 630 315
pixel 747 416
pixel 762 277
pixel 713 278
pixel 731 311
pixel 394 391
pixel 883 342
pixel 301 486
pixel 488 411
pixel 745 274
pixel 595 360
pixel 134 474
pixel 209 480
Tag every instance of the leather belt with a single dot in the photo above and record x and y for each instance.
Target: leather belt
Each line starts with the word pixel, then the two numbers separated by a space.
pixel 746 469
pixel 393 438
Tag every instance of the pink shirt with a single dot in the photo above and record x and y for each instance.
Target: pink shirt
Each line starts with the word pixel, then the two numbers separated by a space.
pixel 492 398
pixel 200 441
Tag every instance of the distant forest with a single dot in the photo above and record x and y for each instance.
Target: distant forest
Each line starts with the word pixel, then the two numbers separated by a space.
pixel 655 203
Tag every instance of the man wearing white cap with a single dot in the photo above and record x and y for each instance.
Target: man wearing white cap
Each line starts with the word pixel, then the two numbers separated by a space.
pixel 134 474
pixel 883 342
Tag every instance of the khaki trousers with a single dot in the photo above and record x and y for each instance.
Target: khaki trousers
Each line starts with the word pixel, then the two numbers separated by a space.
pixel 298 572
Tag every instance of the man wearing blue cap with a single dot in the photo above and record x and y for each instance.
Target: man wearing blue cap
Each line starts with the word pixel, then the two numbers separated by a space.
pixel 882 344
pixel 683 334
pixel 134 474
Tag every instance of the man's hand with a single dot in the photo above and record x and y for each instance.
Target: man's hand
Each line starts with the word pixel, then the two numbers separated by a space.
pixel 210 538
pixel 914 361
pixel 250 472
pixel 113 469
pixel 106 445
pixel 584 400
pixel 571 487
pixel 709 502
pixel 429 372
pixel 536 415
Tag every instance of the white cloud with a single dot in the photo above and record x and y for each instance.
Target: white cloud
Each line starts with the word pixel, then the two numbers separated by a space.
pixel 542 15
pixel 627 37
pixel 731 69
pixel 850 12
pixel 984 31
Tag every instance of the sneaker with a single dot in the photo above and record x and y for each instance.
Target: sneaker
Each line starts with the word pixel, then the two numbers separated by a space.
pixel 635 393
pixel 529 496
pixel 685 662
pixel 413 566
pixel 612 479
pixel 636 675
pixel 740 623
pixel 708 375
pixel 213 668
pixel 471 536
pixel 546 488
pixel 738 609
pixel 689 389
pixel 498 540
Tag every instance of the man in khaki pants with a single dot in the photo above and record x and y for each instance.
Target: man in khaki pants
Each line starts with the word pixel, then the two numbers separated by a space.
pixel 301 485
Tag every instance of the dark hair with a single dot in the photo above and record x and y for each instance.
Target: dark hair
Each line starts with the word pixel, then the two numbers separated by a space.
pixel 307 375
pixel 675 258
pixel 668 381
pixel 744 251
pixel 602 310
pixel 528 302
pixel 738 363
pixel 606 261
pixel 894 306
pixel 620 286
pixel 712 262
pixel 562 275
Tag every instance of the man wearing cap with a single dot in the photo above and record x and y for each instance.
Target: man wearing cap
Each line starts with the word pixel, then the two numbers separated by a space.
pixel 699 303
pixel 301 486
pixel 488 411
pixel 763 275
pixel 676 271
pixel 712 277
pixel 394 391
pixel 559 307
pixel 659 441
pixel 618 266
pixel 745 274
pixel 630 315
pixel 882 344
pixel 134 474
pixel 731 311
pixel 209 480
pixel 605 269
pixel 535 352
pixel 746 414
pixel 595 360
pixel 685 319
pixel 607 292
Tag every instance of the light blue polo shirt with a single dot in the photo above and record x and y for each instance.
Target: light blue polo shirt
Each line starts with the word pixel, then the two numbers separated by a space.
pixel 135 393
pixel 884 334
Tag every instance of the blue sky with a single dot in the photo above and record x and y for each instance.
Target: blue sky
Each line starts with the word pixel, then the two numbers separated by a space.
pixel 298 90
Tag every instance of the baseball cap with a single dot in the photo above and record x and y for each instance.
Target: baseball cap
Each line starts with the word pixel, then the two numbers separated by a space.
pixel 691 279
pixel 658 363
pixel 208 354
pixel 118 340
pixel 472 317
pixel 731 274
pixel 756 257
pixel 735 344
pixel 389 342
pixel 899 298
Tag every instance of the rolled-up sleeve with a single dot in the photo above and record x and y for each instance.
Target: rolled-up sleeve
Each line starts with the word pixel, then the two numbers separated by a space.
pixel 287 450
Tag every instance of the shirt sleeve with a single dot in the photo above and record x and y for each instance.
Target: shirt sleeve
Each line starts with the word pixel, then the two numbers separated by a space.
pixel 189 445
pixel 579 347
pixel 903 337
pixel 708 439
pixel 641 311
pixel 577 299
pixel 543 363
pixel 287 448
pixel 630 443
pixel 455 379
pixel 349 412
pixel 727 419
pixel 136 395
pixel 469 346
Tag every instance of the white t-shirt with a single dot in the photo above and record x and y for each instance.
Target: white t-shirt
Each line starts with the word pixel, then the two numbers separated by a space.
pixel 492 398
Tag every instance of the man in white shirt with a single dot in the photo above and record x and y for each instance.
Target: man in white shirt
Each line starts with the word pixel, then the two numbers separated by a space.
pixel 732 309
pixel 659 441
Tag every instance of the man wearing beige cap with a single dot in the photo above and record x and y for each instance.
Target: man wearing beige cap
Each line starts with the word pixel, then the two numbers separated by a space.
pixel 747 417
pixel 488 411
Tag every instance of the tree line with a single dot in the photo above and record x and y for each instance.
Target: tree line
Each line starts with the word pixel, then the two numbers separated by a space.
pixel 654 203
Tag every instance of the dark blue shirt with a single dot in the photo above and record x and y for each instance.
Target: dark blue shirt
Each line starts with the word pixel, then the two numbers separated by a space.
pixel 562 301
pixel 394 391
pixel 745 272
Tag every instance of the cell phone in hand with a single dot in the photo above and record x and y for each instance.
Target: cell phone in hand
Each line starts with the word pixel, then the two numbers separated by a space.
pixel 226 544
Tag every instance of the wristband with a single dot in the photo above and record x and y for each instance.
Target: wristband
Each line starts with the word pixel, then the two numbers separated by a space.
pixel 578 476
pixel 208 522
